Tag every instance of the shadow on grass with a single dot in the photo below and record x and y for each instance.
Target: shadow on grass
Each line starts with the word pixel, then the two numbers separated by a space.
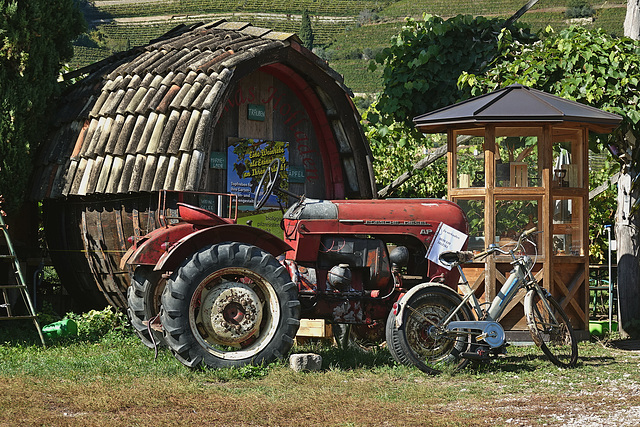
pixel 535 362
pixel 353 357
pixel 626 344
pixel 19 333
pixel 514 364
pixel 356 358
pixel 597 360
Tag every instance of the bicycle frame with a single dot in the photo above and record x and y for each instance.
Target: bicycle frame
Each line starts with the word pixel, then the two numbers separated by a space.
pixel 444 327
pixel 517 279
pixel 487 321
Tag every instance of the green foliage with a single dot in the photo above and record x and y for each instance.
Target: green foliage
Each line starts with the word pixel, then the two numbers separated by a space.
pixel 503 8
pixel 243 372
pixel 395 149
pixel 587 66
pixel 419 76
pixel 47 314
pixel 371 28
pixel 162 7
pixel 579 9
pixel 420 65
pixel 602 211
pixel 36 37
pixel 363 102
pixel 306 32
pixel 94 325
pixel 515 216
pixel 368 17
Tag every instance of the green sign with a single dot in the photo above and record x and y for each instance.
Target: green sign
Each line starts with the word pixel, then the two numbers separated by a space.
pixel 296 174
pixel 267 221
pixel 218 160
pixel 256 112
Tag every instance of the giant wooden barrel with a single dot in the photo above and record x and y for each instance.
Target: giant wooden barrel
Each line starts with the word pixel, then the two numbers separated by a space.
pixel 180 114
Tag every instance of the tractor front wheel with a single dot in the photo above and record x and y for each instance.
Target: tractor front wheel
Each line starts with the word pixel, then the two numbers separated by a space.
pixel 143 304
pixel 230 304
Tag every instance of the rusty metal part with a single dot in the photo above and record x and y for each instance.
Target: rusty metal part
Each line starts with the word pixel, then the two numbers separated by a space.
pixel 231 313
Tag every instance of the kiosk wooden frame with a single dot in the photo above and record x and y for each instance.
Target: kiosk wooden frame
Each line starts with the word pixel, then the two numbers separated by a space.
pixel 518 158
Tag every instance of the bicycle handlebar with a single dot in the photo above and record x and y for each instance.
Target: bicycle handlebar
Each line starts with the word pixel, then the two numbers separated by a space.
pixel 460 257
pixel 495 248
pixel 528 232
pixel 482 254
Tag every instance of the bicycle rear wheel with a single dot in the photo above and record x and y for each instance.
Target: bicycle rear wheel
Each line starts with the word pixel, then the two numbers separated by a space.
pixel 415 342
pixel 551 329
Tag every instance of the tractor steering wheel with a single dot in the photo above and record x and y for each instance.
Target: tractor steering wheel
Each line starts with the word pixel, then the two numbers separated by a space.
pixel 272 173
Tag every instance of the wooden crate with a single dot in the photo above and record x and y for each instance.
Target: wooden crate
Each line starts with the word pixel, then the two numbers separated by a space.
pixel 519 177
pixel 316 328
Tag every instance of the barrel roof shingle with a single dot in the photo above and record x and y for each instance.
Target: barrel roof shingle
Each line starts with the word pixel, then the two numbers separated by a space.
pixel 138 121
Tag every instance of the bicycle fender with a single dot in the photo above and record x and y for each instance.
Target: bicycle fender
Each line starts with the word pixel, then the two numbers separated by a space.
pixel 528 314
pixel 401 303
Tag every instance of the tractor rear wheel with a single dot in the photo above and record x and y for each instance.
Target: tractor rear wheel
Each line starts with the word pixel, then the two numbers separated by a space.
pixel 230 304
pixel 143 304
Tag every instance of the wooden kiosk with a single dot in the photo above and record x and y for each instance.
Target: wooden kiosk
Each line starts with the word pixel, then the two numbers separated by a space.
pixel 518 158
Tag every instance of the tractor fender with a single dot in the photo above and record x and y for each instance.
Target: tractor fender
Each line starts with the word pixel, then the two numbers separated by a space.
pixel 402 302
pixel 193 242
pixel 149 249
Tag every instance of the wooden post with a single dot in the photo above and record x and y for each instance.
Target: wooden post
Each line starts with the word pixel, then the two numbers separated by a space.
pixel 490 210
pixel 452 145
pixel 546 150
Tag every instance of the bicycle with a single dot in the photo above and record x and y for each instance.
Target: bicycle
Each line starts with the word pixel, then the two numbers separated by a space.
pixel 433 326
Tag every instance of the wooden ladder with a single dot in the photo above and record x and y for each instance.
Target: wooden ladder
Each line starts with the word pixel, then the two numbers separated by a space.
pixel 19 284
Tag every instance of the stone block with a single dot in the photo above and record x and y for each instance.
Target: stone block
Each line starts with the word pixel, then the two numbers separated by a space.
pixel 305 362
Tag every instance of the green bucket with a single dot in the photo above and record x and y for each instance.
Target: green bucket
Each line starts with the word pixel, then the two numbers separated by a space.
pixel 600 327
pixel 60 329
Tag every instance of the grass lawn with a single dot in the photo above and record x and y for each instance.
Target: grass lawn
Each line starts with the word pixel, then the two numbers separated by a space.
pixel 115 380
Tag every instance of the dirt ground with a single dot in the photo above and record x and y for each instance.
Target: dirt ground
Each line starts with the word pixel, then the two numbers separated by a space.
pixel 613 404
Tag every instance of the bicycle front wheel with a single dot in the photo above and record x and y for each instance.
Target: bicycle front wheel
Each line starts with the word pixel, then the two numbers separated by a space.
pixel 551 329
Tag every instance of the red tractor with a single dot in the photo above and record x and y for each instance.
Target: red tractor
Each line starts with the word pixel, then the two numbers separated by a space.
pixel 222 294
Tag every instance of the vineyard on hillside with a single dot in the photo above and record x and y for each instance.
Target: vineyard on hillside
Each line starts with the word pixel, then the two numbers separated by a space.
pixel 347 33
pixel 191 7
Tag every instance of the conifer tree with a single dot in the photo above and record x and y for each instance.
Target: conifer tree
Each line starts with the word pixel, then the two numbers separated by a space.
pixel 306 32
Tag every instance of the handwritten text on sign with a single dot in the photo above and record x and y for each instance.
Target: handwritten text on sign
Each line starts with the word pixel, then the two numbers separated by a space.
pixel 447 238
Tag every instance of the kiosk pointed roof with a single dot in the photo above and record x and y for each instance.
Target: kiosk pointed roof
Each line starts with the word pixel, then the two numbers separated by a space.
pixel 516 104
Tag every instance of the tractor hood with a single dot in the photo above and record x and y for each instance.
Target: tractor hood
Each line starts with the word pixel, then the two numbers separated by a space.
pixel 380 213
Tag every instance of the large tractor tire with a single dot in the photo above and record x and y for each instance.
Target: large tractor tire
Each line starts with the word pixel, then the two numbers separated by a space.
pixel 230 304
pixel 143 304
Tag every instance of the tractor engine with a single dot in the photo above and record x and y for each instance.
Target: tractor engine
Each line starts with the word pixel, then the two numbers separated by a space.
pixel 350 257
pixel 353 263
